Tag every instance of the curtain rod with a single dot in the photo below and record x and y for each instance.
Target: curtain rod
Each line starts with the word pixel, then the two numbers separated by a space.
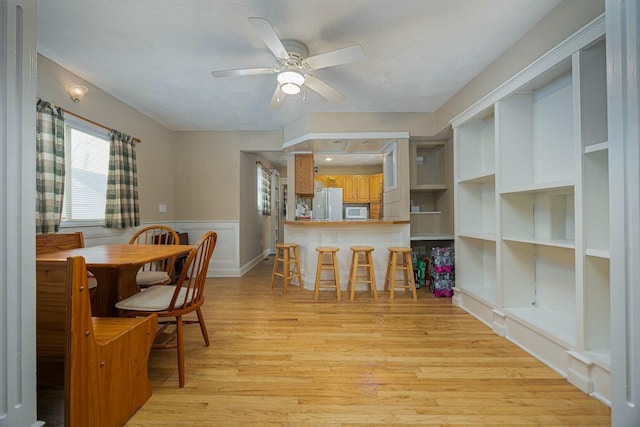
pixel 94 123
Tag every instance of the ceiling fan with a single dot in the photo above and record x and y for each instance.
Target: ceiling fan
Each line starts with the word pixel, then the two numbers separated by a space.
pixel 295 65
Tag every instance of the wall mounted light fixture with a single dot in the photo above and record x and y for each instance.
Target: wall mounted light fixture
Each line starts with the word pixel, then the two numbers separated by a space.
pixel 77 92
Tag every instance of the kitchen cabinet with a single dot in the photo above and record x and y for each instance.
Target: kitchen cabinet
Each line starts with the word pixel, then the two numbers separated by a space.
pixel 355 189
pixel 348 189
pixel 334 181
pixel 361 185
pixel 322 179
pixel 375 210
pixel 330 181
pixel 375 187
pixel 304 175
pixel 533 211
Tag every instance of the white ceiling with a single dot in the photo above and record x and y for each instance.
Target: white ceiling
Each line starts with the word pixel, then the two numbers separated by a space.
pixel 157 55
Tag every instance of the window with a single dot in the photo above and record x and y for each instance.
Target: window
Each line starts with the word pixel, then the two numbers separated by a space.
pixel 259 185
pixel 86 170
pixel 390 168
pixel 264 189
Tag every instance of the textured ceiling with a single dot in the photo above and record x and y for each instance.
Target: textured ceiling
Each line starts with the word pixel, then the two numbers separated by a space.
pixel 157 55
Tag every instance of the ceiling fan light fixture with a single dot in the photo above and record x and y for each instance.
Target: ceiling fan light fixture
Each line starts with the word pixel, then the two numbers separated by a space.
pixel 290 88
pixel 290 81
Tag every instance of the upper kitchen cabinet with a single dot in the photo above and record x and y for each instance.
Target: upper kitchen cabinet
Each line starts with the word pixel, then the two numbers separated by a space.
pixel 304 175
pixel 355 189
pixel 330 181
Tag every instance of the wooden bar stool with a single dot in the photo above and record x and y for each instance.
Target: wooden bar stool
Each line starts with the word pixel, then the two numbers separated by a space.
pixel 286 254
pixel 370 276
pixel 332 266
pixel 407 268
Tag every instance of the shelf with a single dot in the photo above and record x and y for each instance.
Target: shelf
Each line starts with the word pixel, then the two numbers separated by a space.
pixel 560 186
pixel 556 243
pixel 477 206
pixel 598 253
pixel 595 187
pixel 428 166
pixel 543 218
pixel 476 268
pixel 420 237
pixel 430 187
pixel 597 290
pixel 426 213
pixel 475 146
pixel 480 179
pixel 596 147
pixel 478 236
pixel 536 132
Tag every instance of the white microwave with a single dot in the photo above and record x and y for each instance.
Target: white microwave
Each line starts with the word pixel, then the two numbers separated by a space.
pixel 357 212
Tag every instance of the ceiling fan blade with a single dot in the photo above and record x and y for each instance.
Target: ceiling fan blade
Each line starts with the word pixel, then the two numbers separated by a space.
pixel 323 89
pixel 243 72
pixel 269 37
pixel 278 98
pixel 336 57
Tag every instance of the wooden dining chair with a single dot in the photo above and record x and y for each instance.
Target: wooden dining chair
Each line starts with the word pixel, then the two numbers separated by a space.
pixel 171 303
pixel 157 272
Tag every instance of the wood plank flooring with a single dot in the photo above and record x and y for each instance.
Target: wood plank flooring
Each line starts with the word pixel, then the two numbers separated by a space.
pixel 287 360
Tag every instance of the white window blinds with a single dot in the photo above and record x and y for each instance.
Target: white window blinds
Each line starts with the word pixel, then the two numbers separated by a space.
pixel 86 169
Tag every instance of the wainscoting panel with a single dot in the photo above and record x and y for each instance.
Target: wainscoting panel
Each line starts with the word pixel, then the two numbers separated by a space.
pixel 225 261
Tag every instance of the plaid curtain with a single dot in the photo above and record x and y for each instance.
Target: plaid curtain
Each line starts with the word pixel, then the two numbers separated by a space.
pixel 122 210
pixel 266 191
pixel 49 167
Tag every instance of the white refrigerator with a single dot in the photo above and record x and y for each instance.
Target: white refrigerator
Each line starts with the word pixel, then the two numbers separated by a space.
pixel 327 204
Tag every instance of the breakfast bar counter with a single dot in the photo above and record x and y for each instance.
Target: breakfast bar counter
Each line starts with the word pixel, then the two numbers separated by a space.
pixel 377 233
pixel 344 222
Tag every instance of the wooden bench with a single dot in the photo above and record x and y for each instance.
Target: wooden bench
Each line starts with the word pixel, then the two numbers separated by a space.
pixel 54 242
pixel 102 362
pixel 46 243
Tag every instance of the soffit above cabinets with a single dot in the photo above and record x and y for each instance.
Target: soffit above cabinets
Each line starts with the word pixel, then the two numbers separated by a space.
pixel 344 149
pixel 342 146
pixel 343 143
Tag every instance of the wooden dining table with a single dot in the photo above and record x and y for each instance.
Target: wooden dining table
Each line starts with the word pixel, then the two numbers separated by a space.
pixel 115 268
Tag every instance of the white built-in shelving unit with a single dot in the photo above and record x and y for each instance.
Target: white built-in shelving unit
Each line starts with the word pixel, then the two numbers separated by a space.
pixel 532 210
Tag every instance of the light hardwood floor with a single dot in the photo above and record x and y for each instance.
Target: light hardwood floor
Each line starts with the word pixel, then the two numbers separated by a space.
pixel 287 360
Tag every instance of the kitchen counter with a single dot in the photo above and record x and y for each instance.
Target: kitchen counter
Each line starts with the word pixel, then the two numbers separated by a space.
pixel 379 234
pixel 344 222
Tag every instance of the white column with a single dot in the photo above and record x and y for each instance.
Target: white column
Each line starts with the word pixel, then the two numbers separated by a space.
pixel 623 34
pixel 17 216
